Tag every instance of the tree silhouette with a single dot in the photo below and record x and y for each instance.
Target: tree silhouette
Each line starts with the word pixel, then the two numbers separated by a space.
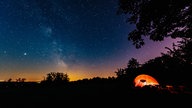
pixel 127 75
pixel 9 80
pixel 182 56
pixel 132 66
pixel 56 78
pixel 133 63
pixel 120 73
pixel 183 50
pixel 20 79
pixel 157 19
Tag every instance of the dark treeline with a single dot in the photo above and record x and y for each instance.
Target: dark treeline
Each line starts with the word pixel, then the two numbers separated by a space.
pixel 170 68
pixel 155 20
pixel 57 89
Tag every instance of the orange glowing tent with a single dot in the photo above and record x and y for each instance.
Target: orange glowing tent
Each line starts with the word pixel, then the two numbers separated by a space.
pixel 144 79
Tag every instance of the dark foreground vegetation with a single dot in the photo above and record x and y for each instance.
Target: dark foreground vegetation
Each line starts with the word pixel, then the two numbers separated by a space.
pixel 95 92
pixel 155 20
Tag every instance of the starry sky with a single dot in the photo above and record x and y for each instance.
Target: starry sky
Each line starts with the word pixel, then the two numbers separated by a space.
pixel 83 38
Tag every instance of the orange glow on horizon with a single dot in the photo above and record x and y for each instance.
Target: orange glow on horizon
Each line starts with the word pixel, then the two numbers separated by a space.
pixel 143 79
pixel 75 73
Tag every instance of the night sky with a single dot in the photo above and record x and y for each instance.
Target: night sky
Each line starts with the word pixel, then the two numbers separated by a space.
pixel 83 38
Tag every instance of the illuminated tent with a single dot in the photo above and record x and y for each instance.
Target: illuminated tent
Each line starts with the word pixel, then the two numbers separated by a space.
pixel 144 79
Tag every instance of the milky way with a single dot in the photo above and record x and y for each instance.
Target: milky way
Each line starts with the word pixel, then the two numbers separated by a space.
pixel 83 38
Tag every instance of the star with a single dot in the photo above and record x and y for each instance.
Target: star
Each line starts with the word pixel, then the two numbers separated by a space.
pixel 25 54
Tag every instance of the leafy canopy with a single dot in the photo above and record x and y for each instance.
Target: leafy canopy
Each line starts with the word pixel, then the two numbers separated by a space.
pixel 157 19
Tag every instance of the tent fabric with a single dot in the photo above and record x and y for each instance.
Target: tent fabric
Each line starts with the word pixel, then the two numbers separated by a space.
pixel 144 79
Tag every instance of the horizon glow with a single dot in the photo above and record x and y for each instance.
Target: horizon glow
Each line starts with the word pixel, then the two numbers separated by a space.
pixel 82 38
